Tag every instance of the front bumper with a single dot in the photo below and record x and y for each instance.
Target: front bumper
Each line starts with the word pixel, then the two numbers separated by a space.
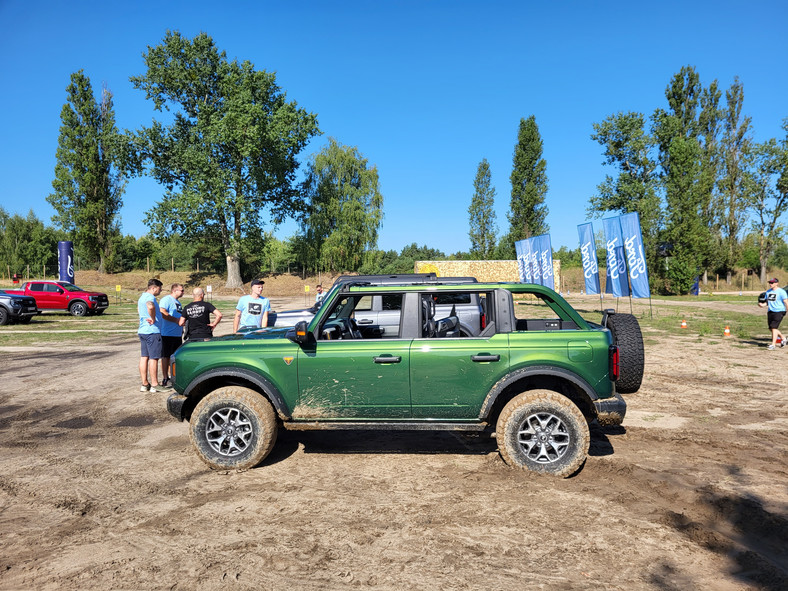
pixel 611 411
pixel 175 404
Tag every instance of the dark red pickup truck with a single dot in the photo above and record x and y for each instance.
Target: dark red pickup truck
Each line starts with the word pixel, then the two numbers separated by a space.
pixel 62 295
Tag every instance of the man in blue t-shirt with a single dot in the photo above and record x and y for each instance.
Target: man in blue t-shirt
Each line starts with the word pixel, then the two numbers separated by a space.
pixel 149 332
pixel 252 310
pixel 171 329
pixel 777 302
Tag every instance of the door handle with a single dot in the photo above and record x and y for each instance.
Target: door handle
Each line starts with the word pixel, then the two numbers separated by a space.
pixel 387 359
pixel 479 358
pixel 364 321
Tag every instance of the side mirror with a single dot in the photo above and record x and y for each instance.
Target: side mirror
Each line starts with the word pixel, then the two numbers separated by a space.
pixel 299 333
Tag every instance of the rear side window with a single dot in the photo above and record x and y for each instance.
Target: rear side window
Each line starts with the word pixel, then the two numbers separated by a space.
pixel 36 287
pixel 452 298
pixel 392 302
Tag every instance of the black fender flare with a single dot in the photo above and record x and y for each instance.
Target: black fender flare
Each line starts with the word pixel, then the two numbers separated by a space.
pixel 534 370
pixel 262 383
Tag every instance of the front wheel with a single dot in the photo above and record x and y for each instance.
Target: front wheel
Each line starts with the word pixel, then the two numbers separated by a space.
pixel 543 431
pixel 233 428
pixel 78 308
pixel 4 318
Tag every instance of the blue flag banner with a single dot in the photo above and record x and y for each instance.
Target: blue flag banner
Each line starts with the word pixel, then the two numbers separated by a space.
pixel 532 256
pixel 65 260
pixel 636 260
pixel 545 254
pixel 521 262
pixel 590 262
pixel 616 278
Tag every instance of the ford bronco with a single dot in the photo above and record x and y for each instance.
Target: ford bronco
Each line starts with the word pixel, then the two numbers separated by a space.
pixel 534 374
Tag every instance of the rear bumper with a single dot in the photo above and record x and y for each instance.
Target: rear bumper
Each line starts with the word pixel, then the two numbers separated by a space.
pixel 611 411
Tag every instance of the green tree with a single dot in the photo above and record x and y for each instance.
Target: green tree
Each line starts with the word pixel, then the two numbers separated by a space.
pixel 345 207
pixel 89 182
pixel 731 202
pixel 631 149
pixel 528 213
pixel 767 194
pixel 228 159
pixel 682 154
pixel 26 241
pixel 481 214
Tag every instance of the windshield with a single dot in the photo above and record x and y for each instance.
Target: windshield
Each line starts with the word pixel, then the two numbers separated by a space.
pixel 69 286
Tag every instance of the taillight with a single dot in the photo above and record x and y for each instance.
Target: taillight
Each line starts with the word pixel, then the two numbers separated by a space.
pixel 613 360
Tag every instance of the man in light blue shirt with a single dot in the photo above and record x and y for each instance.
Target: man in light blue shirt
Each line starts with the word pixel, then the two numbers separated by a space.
pixel 171 329
pixel 777 302
pixel 149 333
pixel 252 310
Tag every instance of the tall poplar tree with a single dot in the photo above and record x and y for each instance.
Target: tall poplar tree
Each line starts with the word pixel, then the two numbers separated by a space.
pixel 481 214
pixel 228 159
pixel 528 212
pixel 89 184
pixel 734 150
pixel 345 207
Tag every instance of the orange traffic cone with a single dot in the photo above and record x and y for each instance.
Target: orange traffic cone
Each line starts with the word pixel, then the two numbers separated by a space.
pixel 727 332
pixel 683 324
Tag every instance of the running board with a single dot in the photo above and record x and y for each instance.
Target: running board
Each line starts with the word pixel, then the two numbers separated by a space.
pixel 383 425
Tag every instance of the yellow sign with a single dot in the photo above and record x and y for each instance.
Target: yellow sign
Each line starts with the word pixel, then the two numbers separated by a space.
pixel 117 288
pixel 306 288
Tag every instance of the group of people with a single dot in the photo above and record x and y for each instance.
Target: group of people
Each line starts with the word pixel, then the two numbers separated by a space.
pixel 161 330
pixel 166 325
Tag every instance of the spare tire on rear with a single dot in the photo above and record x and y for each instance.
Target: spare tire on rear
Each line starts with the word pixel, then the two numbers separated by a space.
pixel 627 336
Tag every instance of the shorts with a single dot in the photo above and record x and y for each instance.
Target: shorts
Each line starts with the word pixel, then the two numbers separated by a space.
pixel 169 345
pixel 150 345
pixel 775 318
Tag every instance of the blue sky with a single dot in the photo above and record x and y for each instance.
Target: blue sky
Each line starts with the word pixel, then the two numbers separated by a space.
pixel 424 89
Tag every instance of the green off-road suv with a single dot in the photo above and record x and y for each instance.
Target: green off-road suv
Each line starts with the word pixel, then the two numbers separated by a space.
pixel 534 373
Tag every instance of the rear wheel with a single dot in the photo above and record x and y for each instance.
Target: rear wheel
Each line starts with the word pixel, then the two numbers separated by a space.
pixel 631 356
pixel 78 308
pixel 544 432
pixel 233 428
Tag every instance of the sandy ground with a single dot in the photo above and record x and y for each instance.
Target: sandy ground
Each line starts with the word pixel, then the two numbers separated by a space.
pixel 100 489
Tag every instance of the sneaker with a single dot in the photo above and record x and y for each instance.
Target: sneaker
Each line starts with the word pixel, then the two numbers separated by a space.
pixel 160 388
pixel 144 387
pixel 164 382
pixel 782 344
pixel 770 348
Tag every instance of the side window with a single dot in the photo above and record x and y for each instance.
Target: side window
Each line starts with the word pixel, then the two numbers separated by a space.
pixel 392 302
pixel 36 287
pixel 364 304
pixel 535 313
pixel 50 287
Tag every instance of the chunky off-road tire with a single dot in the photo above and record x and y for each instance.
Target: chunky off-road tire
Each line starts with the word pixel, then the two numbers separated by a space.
pixel 4 317
pixel 78 308
pixel 544 432
pixel 631 357
pixel 233 428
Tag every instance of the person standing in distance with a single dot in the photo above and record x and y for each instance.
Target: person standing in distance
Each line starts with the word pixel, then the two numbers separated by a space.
pixel 319 295
pixel 252 310
pixel 777 302
pixel 149 332
pixel 171 329
pixel 198 316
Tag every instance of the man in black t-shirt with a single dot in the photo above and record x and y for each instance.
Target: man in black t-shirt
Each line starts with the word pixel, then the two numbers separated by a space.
pixel 198 317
